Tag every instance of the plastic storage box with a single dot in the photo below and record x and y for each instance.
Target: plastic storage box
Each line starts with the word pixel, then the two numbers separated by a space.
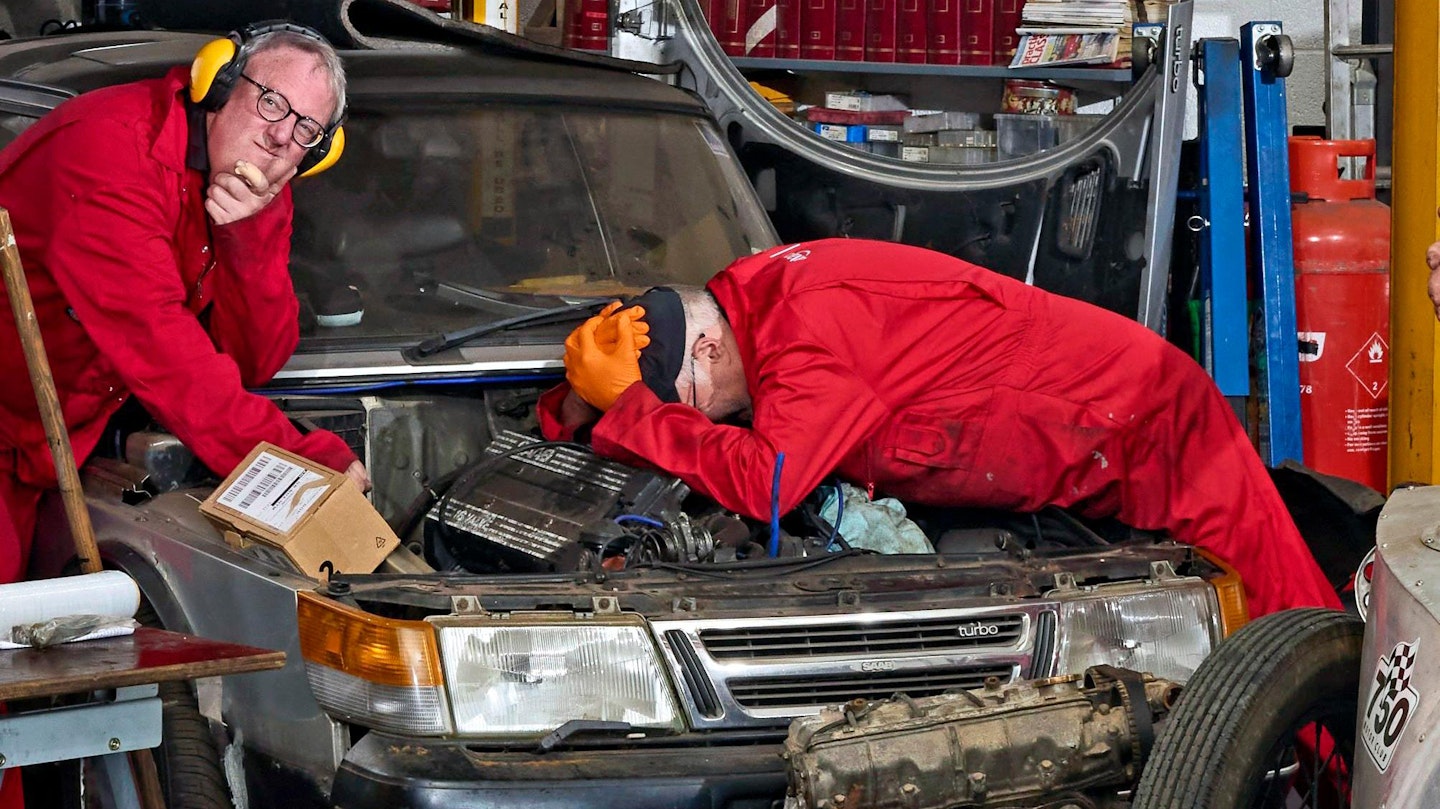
pixel 1020 135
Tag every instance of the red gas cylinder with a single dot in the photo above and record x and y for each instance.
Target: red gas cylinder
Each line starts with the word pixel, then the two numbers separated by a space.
pixel 1342 308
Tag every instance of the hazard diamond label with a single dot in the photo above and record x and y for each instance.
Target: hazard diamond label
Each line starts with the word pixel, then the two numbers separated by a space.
pixel 1369 367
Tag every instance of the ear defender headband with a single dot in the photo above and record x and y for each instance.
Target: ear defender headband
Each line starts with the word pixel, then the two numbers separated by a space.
pixel 661 361
pixel 217 68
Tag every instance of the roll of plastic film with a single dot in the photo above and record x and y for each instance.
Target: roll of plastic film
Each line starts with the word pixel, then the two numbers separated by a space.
pixel 108 592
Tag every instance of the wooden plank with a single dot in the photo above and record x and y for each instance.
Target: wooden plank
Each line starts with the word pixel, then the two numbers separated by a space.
pixel 47 398
pixel 148 656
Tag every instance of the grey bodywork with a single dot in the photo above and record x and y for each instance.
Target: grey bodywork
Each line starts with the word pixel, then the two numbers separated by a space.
pixel 1404 608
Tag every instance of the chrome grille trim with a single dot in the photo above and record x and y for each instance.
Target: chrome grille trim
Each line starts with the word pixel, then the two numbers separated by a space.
pixel 765 671
pixel 864 637
pixel 780 692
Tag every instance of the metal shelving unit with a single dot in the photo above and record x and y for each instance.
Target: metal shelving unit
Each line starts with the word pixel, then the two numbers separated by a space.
pixel 1065 74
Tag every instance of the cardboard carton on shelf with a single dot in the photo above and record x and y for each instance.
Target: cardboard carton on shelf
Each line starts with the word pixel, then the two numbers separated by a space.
pixel 310 513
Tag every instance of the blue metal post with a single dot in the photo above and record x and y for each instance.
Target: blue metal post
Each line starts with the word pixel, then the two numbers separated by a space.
pixel 1268 170
pixel 1224 320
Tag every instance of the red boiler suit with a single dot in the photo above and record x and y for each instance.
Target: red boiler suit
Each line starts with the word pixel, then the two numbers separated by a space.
pixel 135 295
pixel 940 382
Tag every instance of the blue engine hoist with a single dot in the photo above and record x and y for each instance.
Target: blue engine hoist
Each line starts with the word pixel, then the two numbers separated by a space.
pixel 1244 83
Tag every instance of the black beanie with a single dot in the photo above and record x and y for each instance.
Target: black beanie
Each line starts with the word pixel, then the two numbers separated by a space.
pixel 660 362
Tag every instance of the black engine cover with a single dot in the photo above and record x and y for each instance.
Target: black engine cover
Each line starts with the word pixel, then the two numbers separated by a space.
pixel 523 510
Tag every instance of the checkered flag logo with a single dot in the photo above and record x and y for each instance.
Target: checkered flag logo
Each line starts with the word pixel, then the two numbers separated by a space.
pixel 1402 660
pixel 1391 703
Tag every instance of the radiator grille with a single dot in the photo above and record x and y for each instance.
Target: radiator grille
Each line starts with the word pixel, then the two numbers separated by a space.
pixel 863 639
pixel 801 692
pixel 697 680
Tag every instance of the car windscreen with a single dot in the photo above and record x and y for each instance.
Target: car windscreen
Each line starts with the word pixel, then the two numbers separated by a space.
pixel 444 216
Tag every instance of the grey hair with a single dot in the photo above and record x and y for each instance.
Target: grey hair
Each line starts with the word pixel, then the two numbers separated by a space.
pixel 329 59
pixel 702 316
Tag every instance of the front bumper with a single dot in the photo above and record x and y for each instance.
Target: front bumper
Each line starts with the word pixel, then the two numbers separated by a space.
pixel 392 772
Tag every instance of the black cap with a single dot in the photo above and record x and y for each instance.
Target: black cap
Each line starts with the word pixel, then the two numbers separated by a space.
pixel 660 362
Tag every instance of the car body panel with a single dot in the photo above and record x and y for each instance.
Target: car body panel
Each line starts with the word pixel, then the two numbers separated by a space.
pixel 1399 711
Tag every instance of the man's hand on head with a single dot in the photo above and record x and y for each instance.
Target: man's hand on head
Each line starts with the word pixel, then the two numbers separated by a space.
pixel 598 368
pixel 241 193
pixel 607 334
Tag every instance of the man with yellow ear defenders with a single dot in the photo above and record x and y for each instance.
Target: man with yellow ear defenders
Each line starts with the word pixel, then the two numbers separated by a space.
pixel 153 220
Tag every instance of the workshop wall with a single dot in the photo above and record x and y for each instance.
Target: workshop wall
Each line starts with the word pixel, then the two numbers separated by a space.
pixel 25 17
pixel 1304 21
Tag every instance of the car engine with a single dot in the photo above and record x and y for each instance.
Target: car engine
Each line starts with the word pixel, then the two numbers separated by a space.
pixel 541 507
pixel 1071 741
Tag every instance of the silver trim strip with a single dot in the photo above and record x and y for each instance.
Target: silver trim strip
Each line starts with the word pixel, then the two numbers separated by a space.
pixel 417 371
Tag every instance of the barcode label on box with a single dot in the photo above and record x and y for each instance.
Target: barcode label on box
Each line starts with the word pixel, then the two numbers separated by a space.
pixel 273 492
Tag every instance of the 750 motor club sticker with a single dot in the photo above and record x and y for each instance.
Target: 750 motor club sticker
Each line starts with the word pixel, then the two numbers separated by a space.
pixel 1392 701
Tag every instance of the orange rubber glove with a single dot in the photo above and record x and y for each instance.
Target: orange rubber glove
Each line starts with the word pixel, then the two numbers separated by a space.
pixel 599 371
pixel 607 334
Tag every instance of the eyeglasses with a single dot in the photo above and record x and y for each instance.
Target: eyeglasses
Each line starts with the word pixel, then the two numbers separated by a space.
pixel 693 382
pixel 274 108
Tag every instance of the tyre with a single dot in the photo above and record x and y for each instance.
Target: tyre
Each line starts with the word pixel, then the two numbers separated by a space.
pixel 1267 721
pixel 188 760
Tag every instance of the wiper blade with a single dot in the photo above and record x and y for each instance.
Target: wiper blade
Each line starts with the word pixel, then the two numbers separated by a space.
pixel 556 737
pixel 431 346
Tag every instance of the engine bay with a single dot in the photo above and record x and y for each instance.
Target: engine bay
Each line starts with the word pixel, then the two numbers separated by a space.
pixel 462 476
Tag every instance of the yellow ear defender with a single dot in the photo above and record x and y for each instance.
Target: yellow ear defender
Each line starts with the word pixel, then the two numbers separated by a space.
pixel 214 57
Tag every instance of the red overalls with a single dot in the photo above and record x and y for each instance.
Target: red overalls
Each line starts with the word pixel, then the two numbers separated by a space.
pixel 943 383
pixel 133 295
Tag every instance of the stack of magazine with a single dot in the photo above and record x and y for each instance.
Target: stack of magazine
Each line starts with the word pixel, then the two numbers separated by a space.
pixel 1081 32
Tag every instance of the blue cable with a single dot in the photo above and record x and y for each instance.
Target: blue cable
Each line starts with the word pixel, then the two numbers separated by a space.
pixel 643 520
pixel 775 506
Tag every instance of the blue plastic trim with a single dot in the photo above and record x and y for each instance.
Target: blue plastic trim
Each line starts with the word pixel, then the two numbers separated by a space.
pixel 367 387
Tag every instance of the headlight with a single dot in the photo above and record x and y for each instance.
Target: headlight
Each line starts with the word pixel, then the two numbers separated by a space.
pixel 515 678
pixel 1163 629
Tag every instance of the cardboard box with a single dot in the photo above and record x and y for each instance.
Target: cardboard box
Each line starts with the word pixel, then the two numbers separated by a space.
pixel 311 513
pixel 942 120
pixel 883 134
pixel 861 101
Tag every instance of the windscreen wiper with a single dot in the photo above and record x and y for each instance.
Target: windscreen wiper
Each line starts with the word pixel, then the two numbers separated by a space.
pixel 431 346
